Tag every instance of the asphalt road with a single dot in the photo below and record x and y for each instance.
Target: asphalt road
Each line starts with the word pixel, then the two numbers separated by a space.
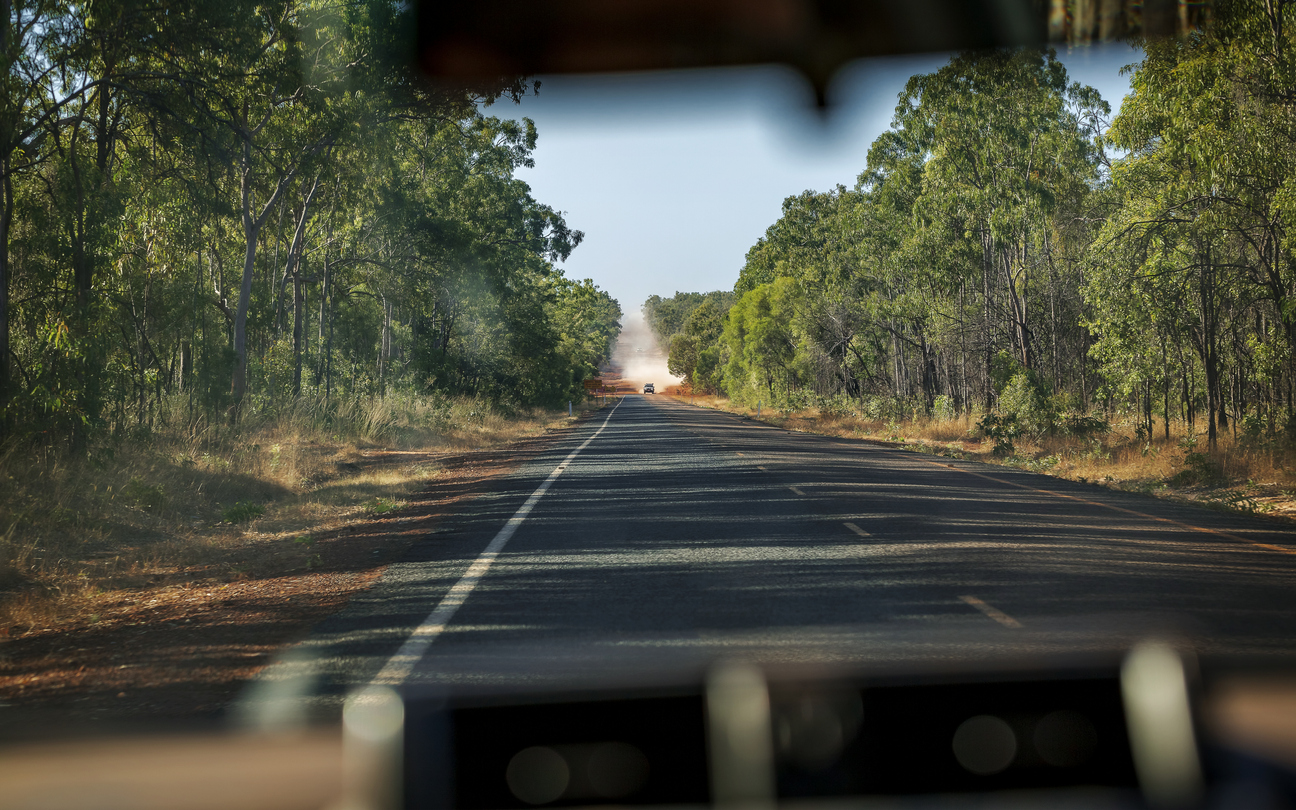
pixel 678 535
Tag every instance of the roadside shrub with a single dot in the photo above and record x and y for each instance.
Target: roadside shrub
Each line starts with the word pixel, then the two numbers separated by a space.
pixel 943 408
pixel 379 506
pixel 1199 467
pixel 242 512
pixel 1255 434
pixel 1002 429
pixel 143 496
pixel 837 406
pixel 1025 400
pixel 885 407
pixel 1084 427
pixel 798 399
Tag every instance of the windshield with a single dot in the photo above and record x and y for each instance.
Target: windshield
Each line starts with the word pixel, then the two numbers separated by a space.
pixel 319 374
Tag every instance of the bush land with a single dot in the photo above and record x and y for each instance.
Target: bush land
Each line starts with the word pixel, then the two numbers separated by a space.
pixel 212 503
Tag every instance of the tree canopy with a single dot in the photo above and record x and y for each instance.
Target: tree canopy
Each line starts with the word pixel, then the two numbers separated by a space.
pixel 232 205
pixel 1010 242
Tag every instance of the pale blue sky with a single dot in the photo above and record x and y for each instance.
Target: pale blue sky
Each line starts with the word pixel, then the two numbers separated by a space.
pixel 672 179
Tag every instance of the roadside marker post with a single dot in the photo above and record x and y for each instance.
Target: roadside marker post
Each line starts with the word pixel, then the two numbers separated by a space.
pixel 569 408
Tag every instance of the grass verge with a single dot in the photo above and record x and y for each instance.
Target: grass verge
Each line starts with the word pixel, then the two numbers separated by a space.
pixel 211 505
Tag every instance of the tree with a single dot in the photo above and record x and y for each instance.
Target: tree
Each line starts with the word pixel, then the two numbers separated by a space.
pixel 1208 188
pixel 1008 138
pixel 274 193
pixel 760 341
pixel 695 351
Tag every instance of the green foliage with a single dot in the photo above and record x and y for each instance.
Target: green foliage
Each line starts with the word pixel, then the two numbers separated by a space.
pixel 149 497
pixel 760 341
pixel 1026 403
pixel 274 205
pixel 379 506
pixel 1002 429
pixel 943 408
pixel 1082 426
pixel 1199 466
pixel 668 317
pixel 242 512
pixel 994 256
pixel 694 351
pixel 930 285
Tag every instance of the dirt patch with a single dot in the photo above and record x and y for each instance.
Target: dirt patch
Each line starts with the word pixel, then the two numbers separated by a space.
pixel 181 650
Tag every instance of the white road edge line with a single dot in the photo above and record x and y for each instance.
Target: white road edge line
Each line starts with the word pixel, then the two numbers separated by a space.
pixel 857 530
pixel 400 665
pixel 993 612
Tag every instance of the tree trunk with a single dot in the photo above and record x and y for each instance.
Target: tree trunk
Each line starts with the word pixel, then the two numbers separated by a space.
pixel 1210 357
pixel 252 224
pixel 384 351
pixel 251 229
pixel 987 267
pixel 325 328
pixel 6 220
pixel 292 271
pixel 298 332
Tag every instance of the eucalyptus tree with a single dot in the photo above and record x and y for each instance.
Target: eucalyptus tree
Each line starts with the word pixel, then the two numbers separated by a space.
pixel 817 242
pixel 944 258
pixel 1147 291
pixel 589 321
pixel 761 340
pixel 694 352
pixel 667 317
pixel 1002 137
pixel 181 182
pixel 35 41
pixel 83 81
pixel 1213 112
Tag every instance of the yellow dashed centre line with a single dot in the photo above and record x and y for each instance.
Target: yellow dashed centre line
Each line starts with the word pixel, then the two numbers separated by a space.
pixel 797 491
pixel 1122 509
pixel 993 612
pixel 761 468
pixel 857 530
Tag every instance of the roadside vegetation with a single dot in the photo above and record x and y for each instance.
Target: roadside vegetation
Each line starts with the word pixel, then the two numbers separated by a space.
pixel 221 504
pixel 1108 295
pixel 250 265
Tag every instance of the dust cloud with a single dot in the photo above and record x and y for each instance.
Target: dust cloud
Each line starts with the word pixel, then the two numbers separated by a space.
pixel 638 357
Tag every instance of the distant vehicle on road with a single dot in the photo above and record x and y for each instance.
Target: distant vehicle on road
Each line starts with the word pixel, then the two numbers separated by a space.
pixel 648 389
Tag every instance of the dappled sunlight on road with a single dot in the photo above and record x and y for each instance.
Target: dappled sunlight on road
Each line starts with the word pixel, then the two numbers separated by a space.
pixel 682 534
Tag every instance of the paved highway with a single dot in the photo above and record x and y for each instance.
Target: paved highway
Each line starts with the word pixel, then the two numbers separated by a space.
pixel 671 535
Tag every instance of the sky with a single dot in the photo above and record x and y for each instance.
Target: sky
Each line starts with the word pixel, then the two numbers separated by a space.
pixel 673 178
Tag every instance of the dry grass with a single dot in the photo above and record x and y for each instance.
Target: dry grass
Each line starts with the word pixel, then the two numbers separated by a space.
pixel 216 504
pixel 1256 479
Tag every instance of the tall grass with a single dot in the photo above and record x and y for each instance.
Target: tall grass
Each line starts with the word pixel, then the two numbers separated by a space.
pixel 177 498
